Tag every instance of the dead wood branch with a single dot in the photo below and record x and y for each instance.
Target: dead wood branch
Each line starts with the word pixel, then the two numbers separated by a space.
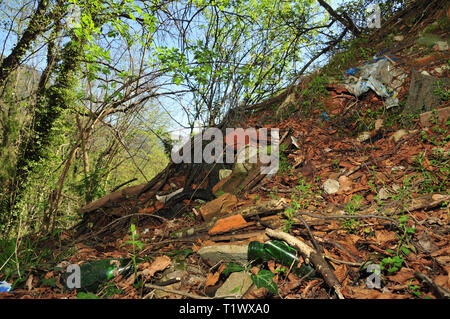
pixel 311 255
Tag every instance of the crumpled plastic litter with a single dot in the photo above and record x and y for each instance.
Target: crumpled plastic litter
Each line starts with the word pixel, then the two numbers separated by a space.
pixel 5 287
pixel 378 75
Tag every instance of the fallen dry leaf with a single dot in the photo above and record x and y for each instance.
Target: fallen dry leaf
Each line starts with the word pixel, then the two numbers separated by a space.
pixel 29 282
pixel 160 263
pixel 402 276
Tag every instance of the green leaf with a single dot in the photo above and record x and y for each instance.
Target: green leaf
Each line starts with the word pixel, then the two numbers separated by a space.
pixel 265 279
pixel 405 250
pixel 87 295
pixel 232 267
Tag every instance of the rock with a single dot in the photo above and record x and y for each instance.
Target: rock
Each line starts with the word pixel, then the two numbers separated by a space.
pixel 425 73
pixel 225 253
pixel 399 38
pixel 331 186
pixel 383 194
pixel 442 45
pixel 364 136
pixel 186 274
pixel 235 286
pixel 442 115
pixel 224 173
pixel 397 136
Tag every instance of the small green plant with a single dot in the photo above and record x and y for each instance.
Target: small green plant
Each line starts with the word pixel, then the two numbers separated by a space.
pixel 349 224
pixel 404 247
pixel 264 278
pixel 441 91
pixel 135 243
pixel 414 289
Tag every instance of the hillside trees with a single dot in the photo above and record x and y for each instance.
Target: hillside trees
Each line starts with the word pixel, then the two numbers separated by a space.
pixel 92 117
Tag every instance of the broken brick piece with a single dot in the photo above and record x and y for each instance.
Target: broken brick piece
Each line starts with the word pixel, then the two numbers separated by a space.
pixel 218 206
pixel 228 223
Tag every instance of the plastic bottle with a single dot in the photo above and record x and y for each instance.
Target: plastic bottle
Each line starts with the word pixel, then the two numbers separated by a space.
pixel 5 286
pixel 277 250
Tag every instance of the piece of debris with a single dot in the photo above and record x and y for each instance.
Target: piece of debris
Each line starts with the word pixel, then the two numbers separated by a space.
pixel 219 206
pixel 235 286
pixel 225 253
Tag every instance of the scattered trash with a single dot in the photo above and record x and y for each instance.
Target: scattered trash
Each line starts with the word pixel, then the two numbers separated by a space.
pixel 295 142
pixel 380 76
pixel 218 206
pixel 5 287
pixel 94 273
pixel 279 251
pixel 226 224
pixel 165 198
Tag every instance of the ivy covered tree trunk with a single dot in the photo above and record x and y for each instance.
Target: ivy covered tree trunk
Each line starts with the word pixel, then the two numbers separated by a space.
pixel 49 106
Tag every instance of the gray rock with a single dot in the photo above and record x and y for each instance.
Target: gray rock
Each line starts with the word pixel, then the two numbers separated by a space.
pixel 225 253
pixel 331 186
pixel 235 286
pixel 224 173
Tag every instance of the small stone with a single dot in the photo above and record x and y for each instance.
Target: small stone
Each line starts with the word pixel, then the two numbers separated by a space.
pixel 399 38
pixel 331 186
pixel 224 173
pixel 425 73
pixel 364 136
pixel 397 136
pixel 235 286
pixel 225 253
pixel 442 45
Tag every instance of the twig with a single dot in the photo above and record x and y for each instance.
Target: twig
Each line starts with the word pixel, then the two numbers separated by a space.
pixel 337 261
pixel 175 292
pixel 439 291
pixel 347 216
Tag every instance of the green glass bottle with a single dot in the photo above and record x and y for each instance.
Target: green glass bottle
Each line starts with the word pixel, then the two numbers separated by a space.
pixel 96 272
pixel 279 251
